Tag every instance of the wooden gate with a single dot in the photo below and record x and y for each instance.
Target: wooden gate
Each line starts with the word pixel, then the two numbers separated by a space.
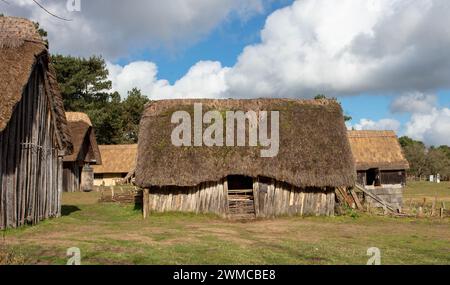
pixel 240 197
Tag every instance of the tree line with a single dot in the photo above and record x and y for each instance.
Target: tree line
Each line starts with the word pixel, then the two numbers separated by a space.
pixel 85 88
pixel 425 161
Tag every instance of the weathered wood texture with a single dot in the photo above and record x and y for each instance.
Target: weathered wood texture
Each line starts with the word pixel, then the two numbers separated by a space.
pixel 30 166
pixel 208 197
pixel 278 199
pixel 386 177
pixel 270 199
pixel 71 177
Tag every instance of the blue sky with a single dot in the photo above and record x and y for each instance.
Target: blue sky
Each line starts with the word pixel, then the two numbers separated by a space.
pixel 224 44
pixel 227 41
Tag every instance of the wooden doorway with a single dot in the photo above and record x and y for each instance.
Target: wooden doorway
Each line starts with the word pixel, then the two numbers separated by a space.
pixel 240 197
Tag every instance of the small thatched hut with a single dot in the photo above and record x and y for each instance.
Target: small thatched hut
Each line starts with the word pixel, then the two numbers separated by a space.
pixel 78 172
pixel 314 158
pixel 118 162
pixel 33 131
pixel 380 164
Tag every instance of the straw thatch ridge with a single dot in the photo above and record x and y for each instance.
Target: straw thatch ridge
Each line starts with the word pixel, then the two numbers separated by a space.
pixel 377 149
pixel 117 159
pixel 78 117
pixel 14 32
pixel 83 137
pixel 314 148
pixel 22 51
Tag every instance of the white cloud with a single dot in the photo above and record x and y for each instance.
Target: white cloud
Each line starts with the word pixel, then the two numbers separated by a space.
pixel 414 102
pixel 206 79
pixel 117 28
pixel 433 128
pixel 346 47
pixel 341 48
pixel 312 46
pixel 383 124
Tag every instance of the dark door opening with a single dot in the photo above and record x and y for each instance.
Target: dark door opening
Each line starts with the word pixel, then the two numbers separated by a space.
pixel 240 196
pixel 373 177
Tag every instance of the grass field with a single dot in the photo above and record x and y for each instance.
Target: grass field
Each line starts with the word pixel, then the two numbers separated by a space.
pixel 116 234
pixel 430 191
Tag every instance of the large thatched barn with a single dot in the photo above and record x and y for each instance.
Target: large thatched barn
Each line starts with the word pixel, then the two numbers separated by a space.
pixel 380 164
pixel 33 131
pixel 78 172
pixel 313 158
pixel 118 163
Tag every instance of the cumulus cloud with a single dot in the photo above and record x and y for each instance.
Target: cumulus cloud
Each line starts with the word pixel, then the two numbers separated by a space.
pixel 115 28
pixel 336 48
pixel 342 48
pixel 347 47
pixel 415 102
pixel 383 124
pixel 206 79
pixel 433 127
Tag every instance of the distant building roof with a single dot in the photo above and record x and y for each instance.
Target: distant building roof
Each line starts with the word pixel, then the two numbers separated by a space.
pixel 85 148
pixel 377 149
pixel 117 158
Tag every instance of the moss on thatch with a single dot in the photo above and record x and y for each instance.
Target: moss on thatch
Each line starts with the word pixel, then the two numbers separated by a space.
pixel 22 51
pixel 314 148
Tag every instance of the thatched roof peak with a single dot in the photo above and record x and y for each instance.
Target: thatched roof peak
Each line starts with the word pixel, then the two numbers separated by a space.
pixel 14 32
pixel 83 137
pixel 23 51
pixel 377 149
pixel 314 150
pixel 78 117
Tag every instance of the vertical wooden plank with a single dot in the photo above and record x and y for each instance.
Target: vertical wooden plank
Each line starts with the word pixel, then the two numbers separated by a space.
pixel 145 202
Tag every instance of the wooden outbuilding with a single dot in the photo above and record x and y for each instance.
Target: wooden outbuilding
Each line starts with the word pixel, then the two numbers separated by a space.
pixel 314 158
pixel 118 163
pixel 380 163
pixel 33 130
pixel 78 172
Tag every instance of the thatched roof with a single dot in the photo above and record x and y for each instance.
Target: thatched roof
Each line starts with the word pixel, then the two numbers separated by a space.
pixel 314 149
pixel 22 50
pixel 117 158
pixel 83 137
pixel 377 149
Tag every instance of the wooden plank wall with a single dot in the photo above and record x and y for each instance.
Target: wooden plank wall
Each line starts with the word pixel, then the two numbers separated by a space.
pixel 208 197
pixel 71 177
pixel 393 177
pixel 271 198
pixel 274 198
pixel 30 168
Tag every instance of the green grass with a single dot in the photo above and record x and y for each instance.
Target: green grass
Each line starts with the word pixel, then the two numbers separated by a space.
pixel 117 234
pixel 428 190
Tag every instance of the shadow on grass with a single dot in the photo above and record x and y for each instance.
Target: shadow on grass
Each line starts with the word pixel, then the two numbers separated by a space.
pixel 66 210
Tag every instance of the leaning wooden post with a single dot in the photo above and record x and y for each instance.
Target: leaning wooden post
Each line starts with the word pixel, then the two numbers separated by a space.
pixel 145 203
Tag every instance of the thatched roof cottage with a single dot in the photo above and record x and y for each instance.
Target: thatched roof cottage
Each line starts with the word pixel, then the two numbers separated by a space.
pixel 118 162
pixel 33 130
pixel 78 173
pixel 380 163
pixel 313 158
